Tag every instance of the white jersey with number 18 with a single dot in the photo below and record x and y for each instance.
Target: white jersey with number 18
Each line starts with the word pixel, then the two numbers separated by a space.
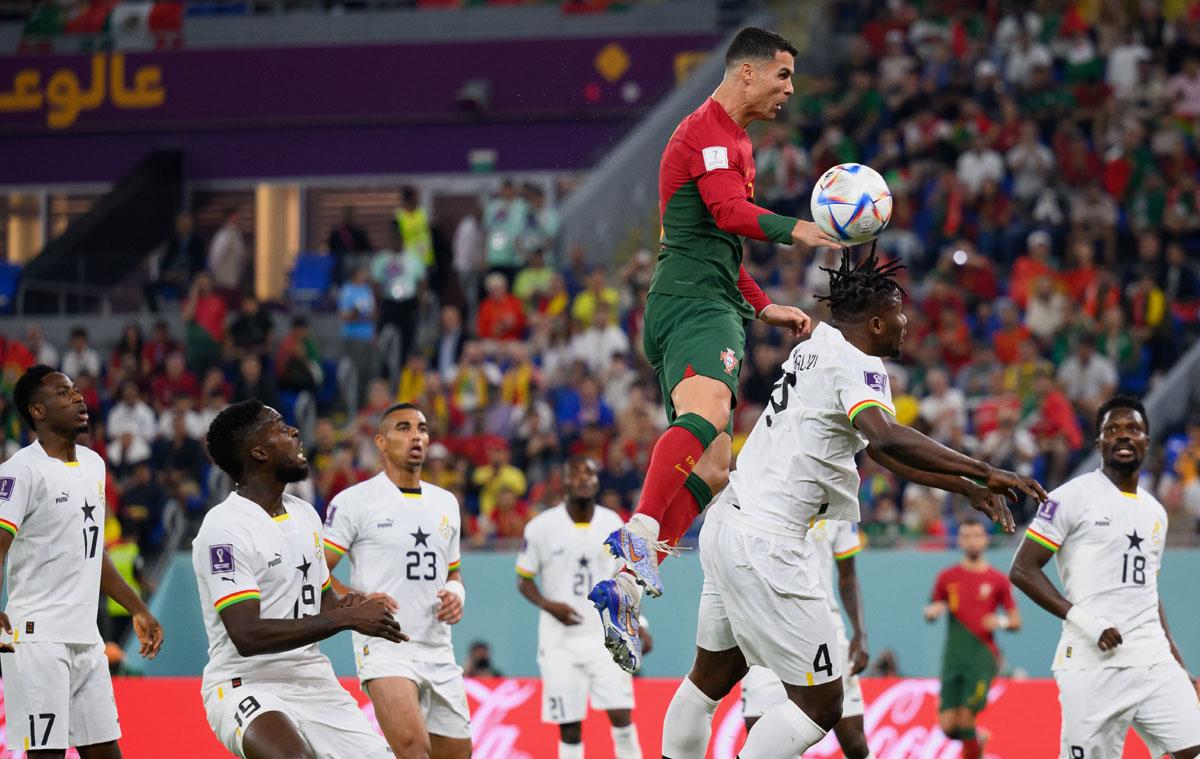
pixel 797 466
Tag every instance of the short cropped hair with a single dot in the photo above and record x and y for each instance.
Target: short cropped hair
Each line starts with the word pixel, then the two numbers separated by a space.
pixel 27 387
pixel 1121 401
pixel 756 44
pixel 227 436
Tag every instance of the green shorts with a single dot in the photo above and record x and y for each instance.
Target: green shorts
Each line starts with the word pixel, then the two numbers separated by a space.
pixel 966 681
pixel 684 336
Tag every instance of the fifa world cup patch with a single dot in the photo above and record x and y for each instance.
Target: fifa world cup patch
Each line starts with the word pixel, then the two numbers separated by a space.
pixel 877 381
pixel 1048 509
pixel 220 557
pixel 729 359
pixel 715 157
pixel 6 487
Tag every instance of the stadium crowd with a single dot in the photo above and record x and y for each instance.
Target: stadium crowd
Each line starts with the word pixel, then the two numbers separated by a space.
pixel 1043 168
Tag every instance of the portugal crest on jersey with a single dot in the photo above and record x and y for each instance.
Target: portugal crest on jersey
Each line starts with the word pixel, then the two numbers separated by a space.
pixel 729 359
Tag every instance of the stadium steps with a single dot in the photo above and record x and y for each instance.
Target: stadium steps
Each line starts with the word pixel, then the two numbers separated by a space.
pixel 78 269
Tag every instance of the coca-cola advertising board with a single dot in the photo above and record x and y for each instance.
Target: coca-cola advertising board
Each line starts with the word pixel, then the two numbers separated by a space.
pixel 162 717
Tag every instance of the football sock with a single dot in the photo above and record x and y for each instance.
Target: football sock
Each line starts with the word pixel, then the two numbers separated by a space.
pixel 688 723
pixel 971 749
pixel 683 510
pixel 784 732
pixel 672 460
pixel 625 742
pixel 570 750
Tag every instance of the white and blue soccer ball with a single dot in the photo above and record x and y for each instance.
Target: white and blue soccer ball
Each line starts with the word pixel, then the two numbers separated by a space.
pixel 852 203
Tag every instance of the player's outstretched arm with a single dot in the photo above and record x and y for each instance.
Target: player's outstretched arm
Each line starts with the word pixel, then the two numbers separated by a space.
pixel 982 500
pixel 6 539
pixel 145 626
pixel 1028 575
pixel 253 635
pixel 860 653
pixel 909 447
pixel 557 609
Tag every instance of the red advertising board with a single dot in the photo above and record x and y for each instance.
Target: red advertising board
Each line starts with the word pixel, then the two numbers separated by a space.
pixel 162 717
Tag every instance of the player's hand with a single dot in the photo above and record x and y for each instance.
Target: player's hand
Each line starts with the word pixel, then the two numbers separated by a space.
pixel 990 622
pixel 1010 484
pixel 6 626
pixel 993 506
pixel 451 609
pixel 564 613
pixel 149 633
pixel 811 235
pixel 934 610
pixel 1110 639
pixel 374 619
pixel 859 654
pixel 795 321
pixel 354 598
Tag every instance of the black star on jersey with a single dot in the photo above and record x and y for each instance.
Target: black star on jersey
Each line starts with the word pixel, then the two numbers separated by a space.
pixel 583 562
pixel 420 538
pixel 1135 541
pixel 303 568
pixel 87 511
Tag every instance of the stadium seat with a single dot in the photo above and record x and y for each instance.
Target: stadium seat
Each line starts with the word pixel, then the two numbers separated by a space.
pixel 10 283
pixel 311 278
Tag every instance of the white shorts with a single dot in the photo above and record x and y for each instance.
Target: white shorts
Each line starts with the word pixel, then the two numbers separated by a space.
pixel 65 688
pixel 761 689
pixel 571 673
pixel 763 594
pixel 327 715
pixel 1099 706
pixel 440 690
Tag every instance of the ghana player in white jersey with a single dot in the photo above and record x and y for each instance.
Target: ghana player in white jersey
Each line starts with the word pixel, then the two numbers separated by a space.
pixel 57 690
pixel 1116 663
pixel 564 548
pixel 762 601
pixel 834 541
pixel 401 536
pixel 267 600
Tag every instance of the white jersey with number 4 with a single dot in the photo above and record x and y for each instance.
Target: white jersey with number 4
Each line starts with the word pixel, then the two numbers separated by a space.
pixel 242 553
pixel 403 542
pixel 55 512
pixel 1108 547
pixel 568 558
pixel 798 466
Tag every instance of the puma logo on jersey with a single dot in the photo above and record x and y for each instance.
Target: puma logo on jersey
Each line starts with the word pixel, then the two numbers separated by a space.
pixel 228 579
pixel 275 561
pixel 63 498
pixel 1105 522
pixel 383 525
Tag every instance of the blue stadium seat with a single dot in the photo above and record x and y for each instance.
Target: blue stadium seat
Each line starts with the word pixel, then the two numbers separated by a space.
pixel 10 282
pixel 311 278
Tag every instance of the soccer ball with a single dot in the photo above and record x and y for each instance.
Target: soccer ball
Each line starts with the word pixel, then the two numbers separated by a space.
pixel 852 203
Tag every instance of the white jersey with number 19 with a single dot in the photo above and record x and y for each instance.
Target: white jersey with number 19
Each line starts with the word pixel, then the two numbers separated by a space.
pixel 797 466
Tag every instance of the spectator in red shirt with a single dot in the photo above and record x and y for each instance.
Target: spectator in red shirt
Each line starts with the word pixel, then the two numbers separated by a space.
pixel 1035 263
pixel 1056 429
pixel 998 402
pixel 204 314
pixel 501 314
pixel 1008 338
pixel 1082 274
pixel 175 380
pixel 157 348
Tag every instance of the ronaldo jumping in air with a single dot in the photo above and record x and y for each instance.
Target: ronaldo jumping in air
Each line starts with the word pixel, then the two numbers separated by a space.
pixel 699 296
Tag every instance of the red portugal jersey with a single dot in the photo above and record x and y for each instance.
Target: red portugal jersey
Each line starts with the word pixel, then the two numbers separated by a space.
pixel 973 595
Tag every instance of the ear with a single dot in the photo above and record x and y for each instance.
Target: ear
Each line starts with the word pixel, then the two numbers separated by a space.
pixel 257 453
pixel 380 443
pixel 746 71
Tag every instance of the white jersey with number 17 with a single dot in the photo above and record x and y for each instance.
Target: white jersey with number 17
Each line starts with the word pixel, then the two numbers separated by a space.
pixel 797 466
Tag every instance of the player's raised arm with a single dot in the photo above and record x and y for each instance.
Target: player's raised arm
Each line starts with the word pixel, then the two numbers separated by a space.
pixel 724 194
pixel 147 628
pixel 983 500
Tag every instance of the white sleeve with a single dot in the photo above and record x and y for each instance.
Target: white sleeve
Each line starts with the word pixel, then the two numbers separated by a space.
pixel 17 495
pixel 1053 521
pixel 341 526
pixel 529 563
pixel 225 563
pixel 846 540
pixel 859 386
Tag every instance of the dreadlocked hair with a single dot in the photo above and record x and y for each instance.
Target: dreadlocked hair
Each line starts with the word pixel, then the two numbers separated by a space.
pixel 857 290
